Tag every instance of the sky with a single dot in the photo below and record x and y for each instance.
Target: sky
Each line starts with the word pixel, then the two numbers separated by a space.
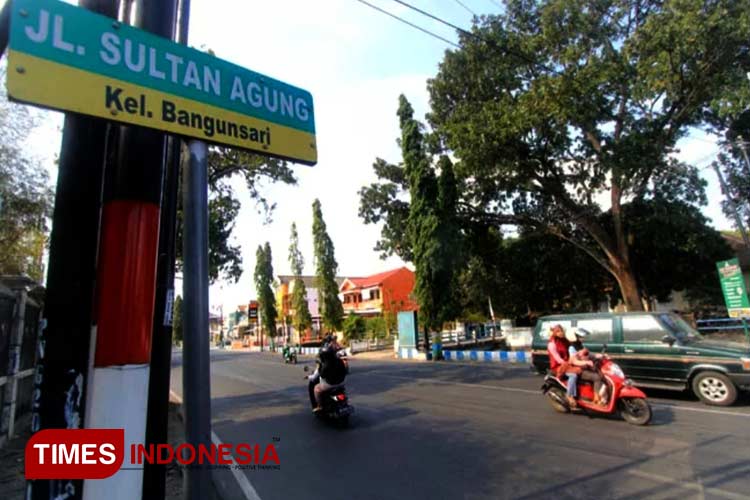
pixel 355 61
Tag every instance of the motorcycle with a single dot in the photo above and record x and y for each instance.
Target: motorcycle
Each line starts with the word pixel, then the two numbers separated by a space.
pixel 290 356
pixel 624 399
pixel 336 407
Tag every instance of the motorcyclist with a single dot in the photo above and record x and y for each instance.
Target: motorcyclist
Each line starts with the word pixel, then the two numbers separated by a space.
pixel 559 363
pixel 329 373
pixel 579 356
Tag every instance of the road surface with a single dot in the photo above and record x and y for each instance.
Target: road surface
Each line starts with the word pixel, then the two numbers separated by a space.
pixel 473 431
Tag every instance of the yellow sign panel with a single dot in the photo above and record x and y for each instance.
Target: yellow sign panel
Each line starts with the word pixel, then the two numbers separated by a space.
pixel 88 93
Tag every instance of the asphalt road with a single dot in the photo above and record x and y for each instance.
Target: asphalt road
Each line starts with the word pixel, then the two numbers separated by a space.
pixel 434 431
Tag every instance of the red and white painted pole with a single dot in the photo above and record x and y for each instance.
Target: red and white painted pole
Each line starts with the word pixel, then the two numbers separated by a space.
pixel 118 384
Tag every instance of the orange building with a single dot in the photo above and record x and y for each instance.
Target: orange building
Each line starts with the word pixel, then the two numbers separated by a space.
pixel 372 295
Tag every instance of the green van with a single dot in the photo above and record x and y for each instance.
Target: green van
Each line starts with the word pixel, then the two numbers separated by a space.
pixel 657 350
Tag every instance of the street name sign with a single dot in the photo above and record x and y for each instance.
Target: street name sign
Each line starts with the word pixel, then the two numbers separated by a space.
pixel 733 286
pixel 68 58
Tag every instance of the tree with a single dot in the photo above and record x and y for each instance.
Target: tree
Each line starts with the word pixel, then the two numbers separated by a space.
pixel 302 320
pixel 225 165
pixel 326 269
pixel 674 249
pixel 431 231
pixel 557 105
pixel 263 281
pixel 177 334
pixel 354 327
pixel 26 197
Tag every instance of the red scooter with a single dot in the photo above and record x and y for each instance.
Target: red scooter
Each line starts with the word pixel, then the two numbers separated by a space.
pixel 622 397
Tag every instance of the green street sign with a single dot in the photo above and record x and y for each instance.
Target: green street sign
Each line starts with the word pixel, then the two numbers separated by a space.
pixel 68 58
pixel 733 286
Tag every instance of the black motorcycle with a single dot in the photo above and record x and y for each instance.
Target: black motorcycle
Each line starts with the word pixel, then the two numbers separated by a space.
pixel 336 407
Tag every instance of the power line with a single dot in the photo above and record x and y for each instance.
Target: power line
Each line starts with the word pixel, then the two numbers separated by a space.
pixel 459 2
pixel 490 42
pixel 495 3
pixel 394 16
pixel 436 18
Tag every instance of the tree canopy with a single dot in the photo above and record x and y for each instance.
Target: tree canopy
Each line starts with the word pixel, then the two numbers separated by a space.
pixel 224 167
pixel 26 196
pixel 560 112
pixel 326 269
pixel 301 320
pixel 263 286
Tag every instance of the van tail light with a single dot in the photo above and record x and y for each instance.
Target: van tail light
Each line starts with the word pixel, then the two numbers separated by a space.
pixel 745 363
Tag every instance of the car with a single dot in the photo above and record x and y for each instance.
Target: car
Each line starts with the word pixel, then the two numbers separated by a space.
pixel 657 350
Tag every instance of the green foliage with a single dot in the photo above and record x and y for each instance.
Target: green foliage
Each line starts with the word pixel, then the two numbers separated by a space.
pixel 557 103
pixel 382 202
pixel 26 197
pixel 177 334
pixel 674 248
pixel 302 319
pixel 354 327
pixel 326 268
pixel 225 165
pixel 376 327
pixel 263 279
pixel 431 228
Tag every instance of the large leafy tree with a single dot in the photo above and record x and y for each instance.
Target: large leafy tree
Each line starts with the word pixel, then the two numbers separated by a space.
pixel 558 107
pixel 263 286
pixel 26 197
pixel 326 268
pixel 225 166
pixel 302 320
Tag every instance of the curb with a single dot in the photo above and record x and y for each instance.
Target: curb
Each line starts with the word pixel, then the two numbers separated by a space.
pixel 478 356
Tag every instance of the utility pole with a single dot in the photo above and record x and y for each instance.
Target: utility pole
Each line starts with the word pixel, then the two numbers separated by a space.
pixel 196 364
pixel 730 200
pixel 119 384
pixel 157 420
pixel 196 377
pixel 64 346
pixel 741 144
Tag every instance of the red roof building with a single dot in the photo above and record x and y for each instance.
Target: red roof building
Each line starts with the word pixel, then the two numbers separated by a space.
pixel 371 295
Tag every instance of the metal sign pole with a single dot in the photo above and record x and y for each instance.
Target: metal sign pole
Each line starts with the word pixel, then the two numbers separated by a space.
pixel 196 377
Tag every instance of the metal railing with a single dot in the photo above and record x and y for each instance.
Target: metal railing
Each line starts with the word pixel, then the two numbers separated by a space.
pixel 19 331
pixel 724 325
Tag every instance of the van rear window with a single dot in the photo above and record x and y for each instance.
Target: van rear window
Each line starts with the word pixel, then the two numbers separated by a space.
pixel 642 329
pixel 544 330
pixel 600 329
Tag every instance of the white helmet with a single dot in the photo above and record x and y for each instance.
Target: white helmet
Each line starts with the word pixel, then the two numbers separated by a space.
pixel 573 334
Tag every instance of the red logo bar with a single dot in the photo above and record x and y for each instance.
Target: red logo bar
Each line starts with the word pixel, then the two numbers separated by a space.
pixel 74 453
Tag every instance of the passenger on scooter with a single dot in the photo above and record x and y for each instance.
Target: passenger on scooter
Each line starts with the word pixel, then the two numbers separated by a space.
pixel 559 355
pixel 329 374
pixel 580 357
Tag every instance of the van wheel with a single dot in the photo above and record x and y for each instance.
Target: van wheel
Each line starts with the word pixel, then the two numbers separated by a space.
pixel 714 388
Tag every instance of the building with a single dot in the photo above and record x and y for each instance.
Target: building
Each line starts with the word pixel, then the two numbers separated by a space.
pixel 284 290
pixel 390 291
pixel 216 326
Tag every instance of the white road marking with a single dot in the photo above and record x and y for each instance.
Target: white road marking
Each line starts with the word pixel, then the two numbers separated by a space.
pixel 529 391
pixel 689 485
pixel 242 480
pixel 239 476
